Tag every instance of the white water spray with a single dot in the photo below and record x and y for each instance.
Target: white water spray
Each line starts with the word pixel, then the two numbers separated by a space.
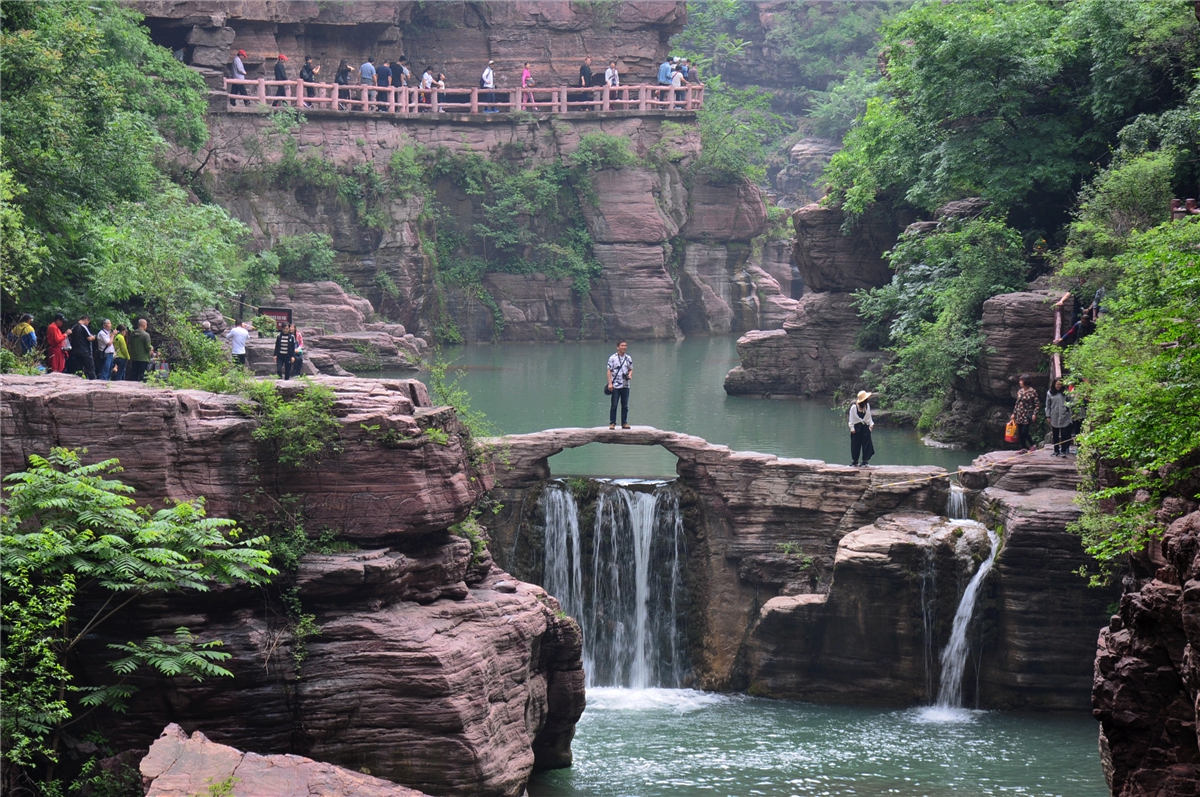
pixel 956 503
pixel 954 657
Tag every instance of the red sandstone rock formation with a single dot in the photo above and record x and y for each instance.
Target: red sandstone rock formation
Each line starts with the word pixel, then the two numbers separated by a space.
pixel 432 668
pixel 181 766
pixel 1147 678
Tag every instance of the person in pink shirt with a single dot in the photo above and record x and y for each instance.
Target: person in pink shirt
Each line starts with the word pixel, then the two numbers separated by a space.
pixel 527 82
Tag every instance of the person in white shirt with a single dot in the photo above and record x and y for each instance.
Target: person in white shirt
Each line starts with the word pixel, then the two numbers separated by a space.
pixel 620 375
pixel 105 337
pixel 488 81
pixel 678 82
pixel 239 73
pixel 860 429
pixel 237 336
pixel 611 76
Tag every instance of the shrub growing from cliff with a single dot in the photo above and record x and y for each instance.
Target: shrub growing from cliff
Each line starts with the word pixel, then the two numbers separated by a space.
pixel 75 551
pixel 930 313
pixel 1139 375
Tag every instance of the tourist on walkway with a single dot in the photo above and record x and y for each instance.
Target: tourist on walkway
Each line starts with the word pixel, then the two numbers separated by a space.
pixel 308 73
pixel 611 76
pixel 22 334
pixel 488 81
pixel 298 363
pixel 81 349
pixel 285 353
pixel 678 82
pixel 385 76
pixel 401 74
pixel 1024 414
pixel 56 343
pixel 107 349
pixel 424 97
pixel 141 349
pixel 120 353
pixel 342 78
pixel 280 74
pixel 620 374
pixel 585 81
pixel 239 73
pixel 664 76
pixel 366 77
pixel 237 336
pixel 1058 413
pixel 527 82
pixel 440 85
pixel 861 425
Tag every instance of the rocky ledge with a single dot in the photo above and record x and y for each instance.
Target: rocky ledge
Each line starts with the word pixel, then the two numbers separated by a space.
pixel 1147 679
pixel 431 667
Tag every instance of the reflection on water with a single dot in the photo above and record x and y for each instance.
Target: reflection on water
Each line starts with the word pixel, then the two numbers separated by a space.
pixel 677 386
pixel 681 742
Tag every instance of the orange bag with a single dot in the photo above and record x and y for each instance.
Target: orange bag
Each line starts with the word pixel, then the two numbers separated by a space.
pixel 1010 431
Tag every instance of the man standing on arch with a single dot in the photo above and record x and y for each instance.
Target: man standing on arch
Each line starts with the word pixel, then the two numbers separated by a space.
pixel 620 374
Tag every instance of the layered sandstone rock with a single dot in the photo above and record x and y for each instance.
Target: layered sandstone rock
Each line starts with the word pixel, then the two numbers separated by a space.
pixel 1146 692
pixel 799 181
pixel 1016 328
pixel 431 667
pixel 876 636
pixel 813 353
pixel 179 765
pixel 752 521
pixel 832 261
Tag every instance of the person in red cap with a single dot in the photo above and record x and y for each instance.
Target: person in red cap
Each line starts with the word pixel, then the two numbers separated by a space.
pixel 239 73
pixel 280 74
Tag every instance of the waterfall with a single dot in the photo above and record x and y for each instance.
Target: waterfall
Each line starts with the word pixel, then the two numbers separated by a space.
pixel 928 611
pixel 956 503
pixel 954 657
pixel 626 588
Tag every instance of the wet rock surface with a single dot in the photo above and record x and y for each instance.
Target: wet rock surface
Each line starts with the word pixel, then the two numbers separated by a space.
pixel 1146 690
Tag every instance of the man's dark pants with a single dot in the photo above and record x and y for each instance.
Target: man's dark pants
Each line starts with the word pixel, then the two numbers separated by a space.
pixel 137 370
pixel 622 394
pixel 83 363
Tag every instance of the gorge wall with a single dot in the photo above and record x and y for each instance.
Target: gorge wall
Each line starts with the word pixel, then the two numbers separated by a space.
pixel 431 668
pixel 838 584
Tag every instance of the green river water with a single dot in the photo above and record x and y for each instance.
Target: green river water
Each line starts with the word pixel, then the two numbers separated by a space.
pixel 646 743
pixel 676 386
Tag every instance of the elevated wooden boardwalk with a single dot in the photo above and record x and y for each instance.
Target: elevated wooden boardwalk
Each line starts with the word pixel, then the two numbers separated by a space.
pixel 249 96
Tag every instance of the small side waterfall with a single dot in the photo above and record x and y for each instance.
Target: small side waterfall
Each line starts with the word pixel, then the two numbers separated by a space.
pixel 954 657
pixel 626 588
pixel 956 503
pixel 928 613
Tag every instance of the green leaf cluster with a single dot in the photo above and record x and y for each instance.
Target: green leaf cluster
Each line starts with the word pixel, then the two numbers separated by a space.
pixel 68 532
pixel 1139 374
pixel 931 311
pixel 736 125
pixel 300 430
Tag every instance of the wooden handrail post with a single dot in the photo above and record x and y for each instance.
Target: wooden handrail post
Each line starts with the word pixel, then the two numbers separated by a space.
pixel 604 98
pixel 262 91
pixel 474 99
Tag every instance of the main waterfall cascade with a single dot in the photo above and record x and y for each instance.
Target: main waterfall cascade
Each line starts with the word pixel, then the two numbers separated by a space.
pixel 626 589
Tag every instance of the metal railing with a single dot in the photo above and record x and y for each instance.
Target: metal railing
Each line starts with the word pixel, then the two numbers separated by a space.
pixel 413 99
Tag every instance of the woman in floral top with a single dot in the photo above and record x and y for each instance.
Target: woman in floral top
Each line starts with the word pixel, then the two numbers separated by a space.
pixel 1025 413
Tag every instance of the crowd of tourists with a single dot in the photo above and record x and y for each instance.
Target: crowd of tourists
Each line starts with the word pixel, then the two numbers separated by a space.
pixel 93 351
pixel 673 75
pixel 119 353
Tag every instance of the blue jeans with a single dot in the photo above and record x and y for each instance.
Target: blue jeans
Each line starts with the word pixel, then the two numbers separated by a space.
pixel 105 370
pixel 621 394
pixel 121 364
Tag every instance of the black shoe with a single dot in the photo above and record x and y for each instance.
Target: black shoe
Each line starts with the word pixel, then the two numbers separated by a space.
pixel 866 464
pixel 854 464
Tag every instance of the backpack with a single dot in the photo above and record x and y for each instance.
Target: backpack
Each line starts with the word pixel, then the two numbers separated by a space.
pixel 482 82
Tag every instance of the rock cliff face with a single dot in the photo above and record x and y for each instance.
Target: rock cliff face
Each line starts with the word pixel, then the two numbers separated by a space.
pixel 1147 678
pixel 455 37
pixel 878 632
pixel 432 668
pixel 676 254
pixel 815 351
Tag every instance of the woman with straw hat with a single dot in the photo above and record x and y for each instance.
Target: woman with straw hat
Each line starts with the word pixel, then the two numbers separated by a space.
pixel 860 429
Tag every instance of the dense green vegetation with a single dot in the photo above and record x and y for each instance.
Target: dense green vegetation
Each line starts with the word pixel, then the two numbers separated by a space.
pixel 76 550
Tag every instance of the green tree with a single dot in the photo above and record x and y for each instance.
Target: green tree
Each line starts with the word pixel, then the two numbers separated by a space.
pixel 736 127
pixel 1139 375
pixel 72 538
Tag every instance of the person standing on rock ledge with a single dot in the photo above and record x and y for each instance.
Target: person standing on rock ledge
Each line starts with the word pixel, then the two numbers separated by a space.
pixel 620 374
pixel 861 425
pixel 140 352
pixel 1025 414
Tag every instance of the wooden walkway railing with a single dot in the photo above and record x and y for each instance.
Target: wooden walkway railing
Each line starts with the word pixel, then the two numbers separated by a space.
pixel 410 99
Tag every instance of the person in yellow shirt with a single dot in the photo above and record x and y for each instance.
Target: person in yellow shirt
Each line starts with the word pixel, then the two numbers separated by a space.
pixel 120 354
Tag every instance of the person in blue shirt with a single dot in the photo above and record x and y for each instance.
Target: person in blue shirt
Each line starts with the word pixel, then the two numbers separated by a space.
pixel 664 76
pixel 367 77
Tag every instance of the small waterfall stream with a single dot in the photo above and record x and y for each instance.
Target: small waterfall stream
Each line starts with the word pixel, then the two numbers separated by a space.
pixel 954 657
pixel 626 588
pixel 956 504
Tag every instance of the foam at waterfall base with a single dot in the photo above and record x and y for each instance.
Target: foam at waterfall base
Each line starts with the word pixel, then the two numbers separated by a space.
pixel 679 701
pixel 944 715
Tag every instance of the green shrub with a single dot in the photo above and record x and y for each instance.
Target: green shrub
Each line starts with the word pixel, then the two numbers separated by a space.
pixel 300 430
pixel 601 150
pixel 307 258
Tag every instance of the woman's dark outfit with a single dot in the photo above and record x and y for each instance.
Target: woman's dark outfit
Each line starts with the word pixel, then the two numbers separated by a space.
pixel 860 433
pixel 280 74
pixel 285 350
pixel 308 76
pixel 342 78
pixel 1024 414
pixel 81 352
